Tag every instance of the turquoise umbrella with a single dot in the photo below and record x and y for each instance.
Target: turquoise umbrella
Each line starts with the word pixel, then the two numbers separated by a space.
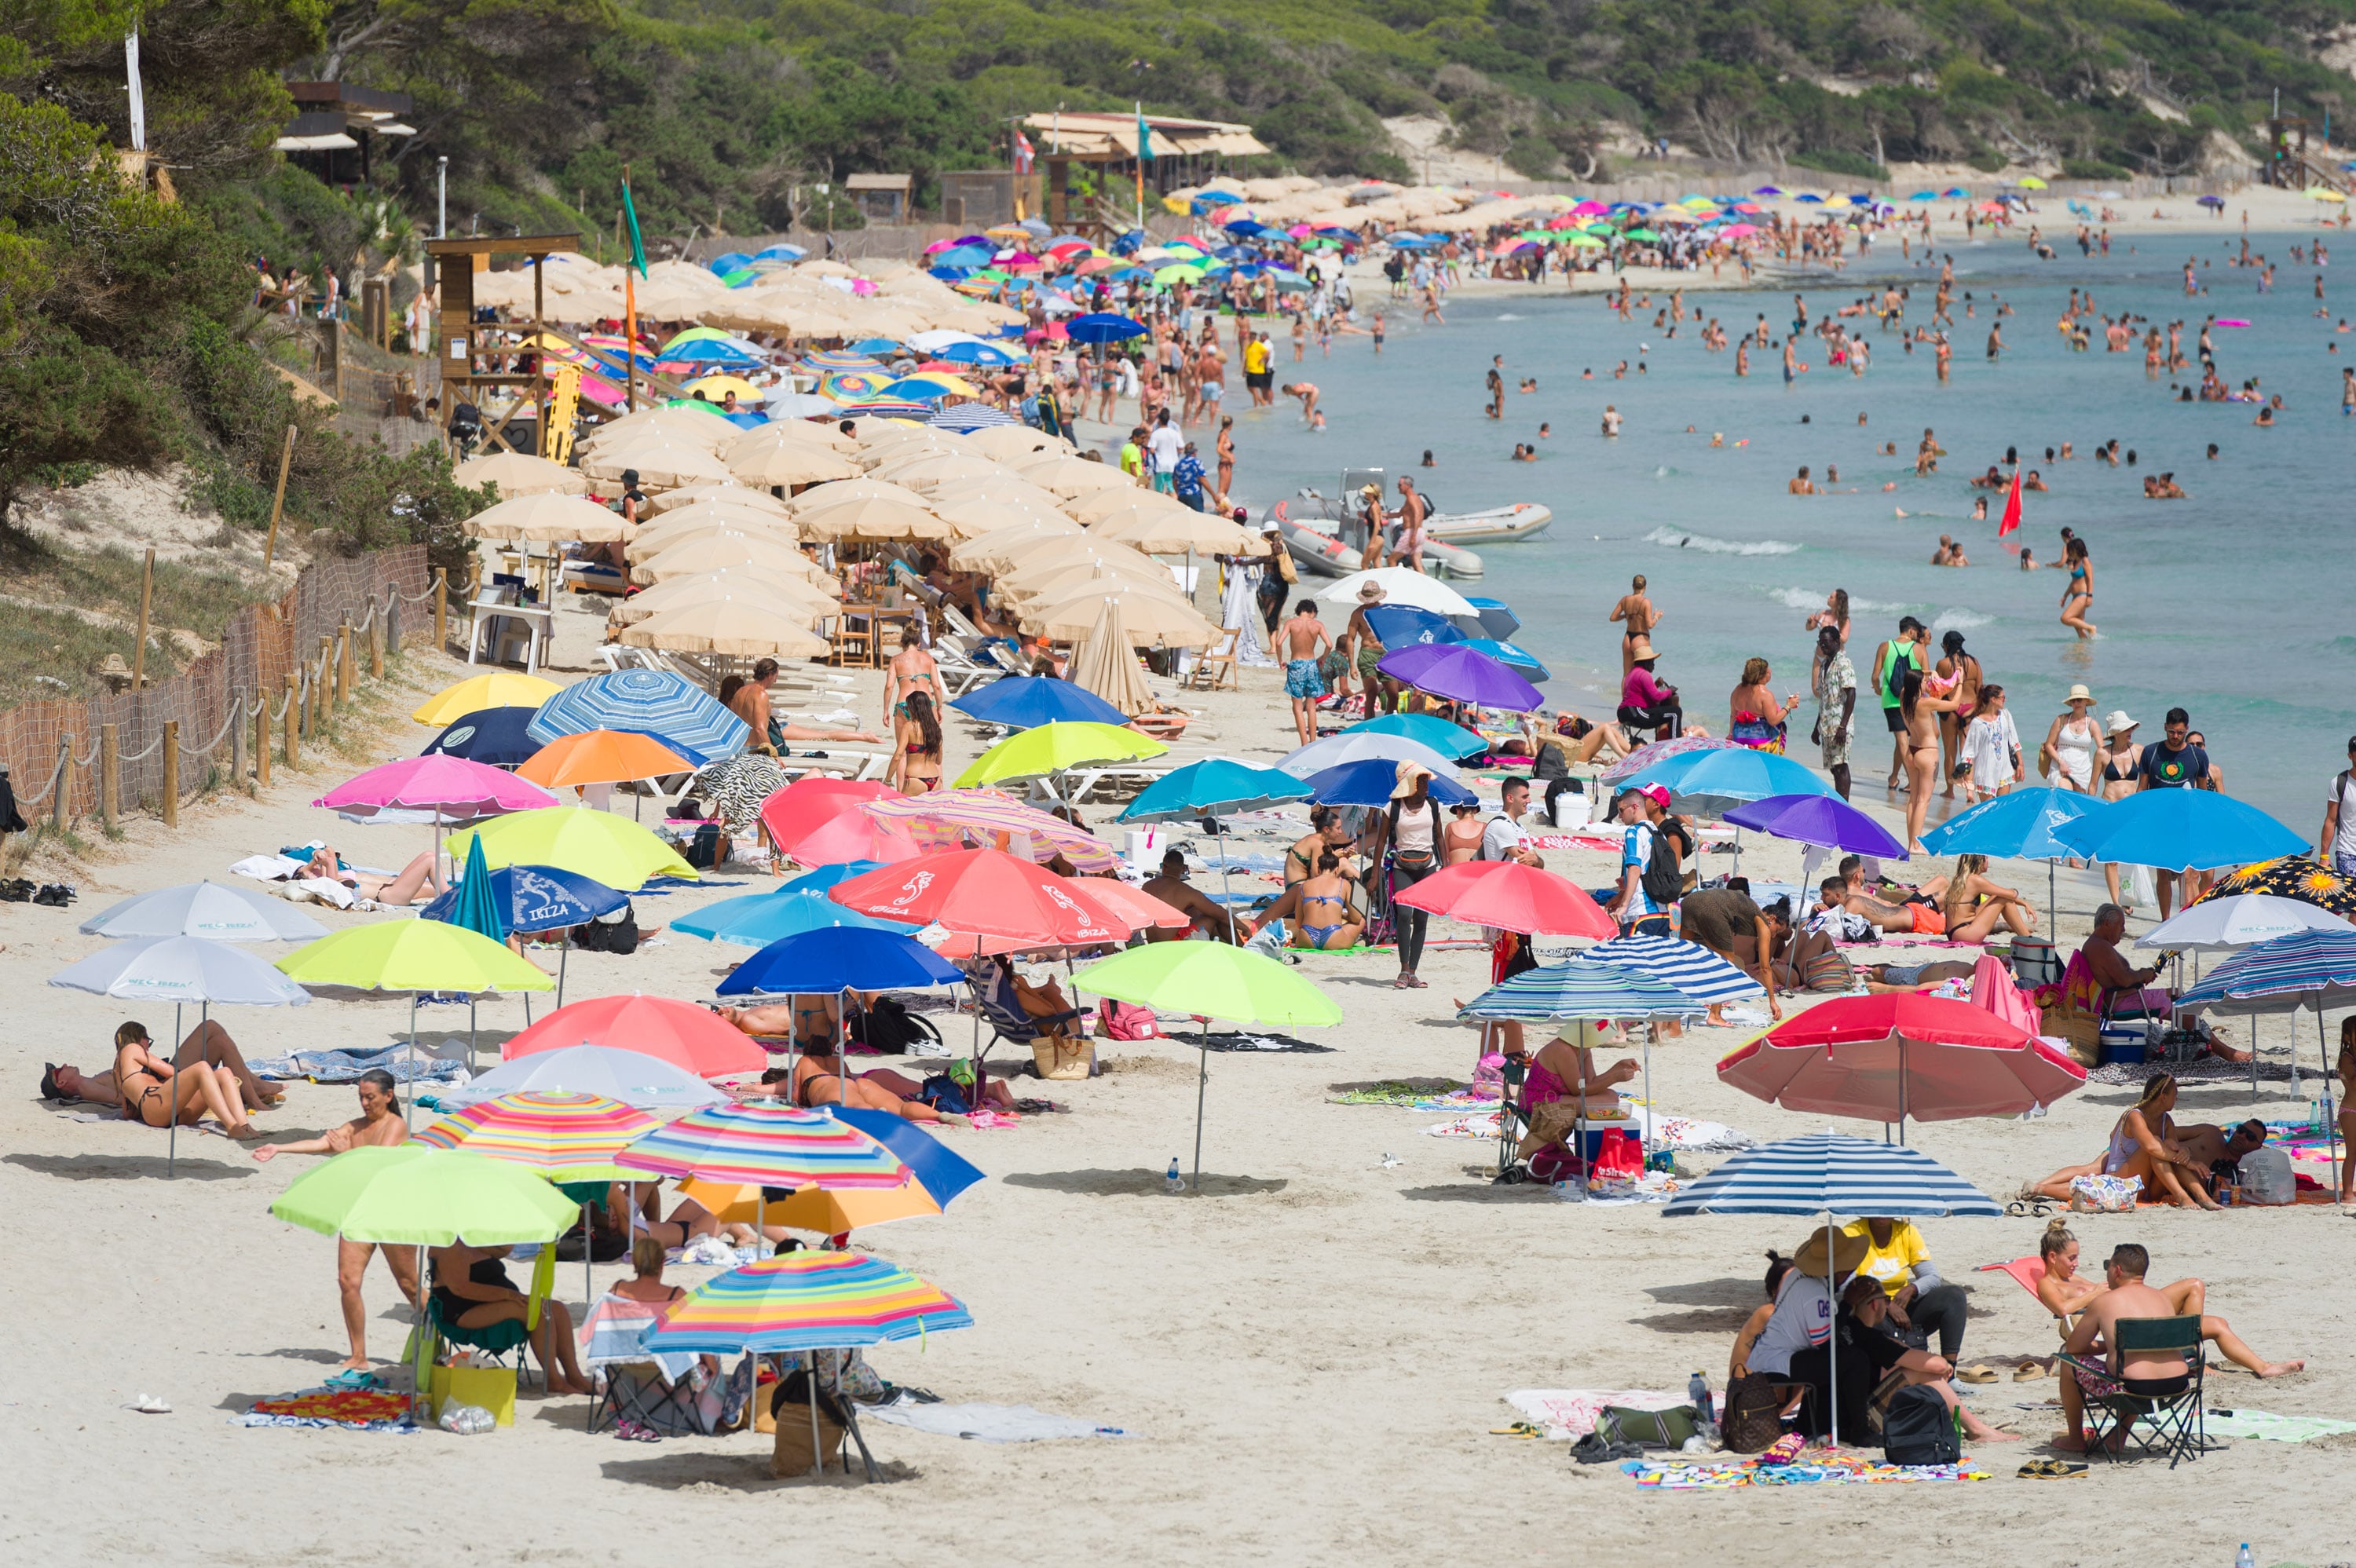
pixel 477 908
pixel 1209 788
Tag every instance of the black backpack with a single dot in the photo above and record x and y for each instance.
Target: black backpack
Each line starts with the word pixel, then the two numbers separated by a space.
pixel 890 1028
pixel 1664 876
pixel 616 932
pixel 1918 1429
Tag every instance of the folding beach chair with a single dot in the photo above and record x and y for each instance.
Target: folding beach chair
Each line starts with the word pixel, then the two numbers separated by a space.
pixel 654 1390
pixel 498 1341
pixel 1002 1011
pixel 2169 1407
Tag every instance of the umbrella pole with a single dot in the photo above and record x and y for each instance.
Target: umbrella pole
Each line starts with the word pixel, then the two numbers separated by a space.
pixel 1902 1093
pixel 817 1460
pixel 2330 1122
pixel 562 955
pixel 2052 898
pixel 1202 1085
pixel 172 1138
pixel 588 1297
pixel 410 1099
pixel 1738 850
pixel 1646 1126
pixel 470 1035
pixel 1832 1341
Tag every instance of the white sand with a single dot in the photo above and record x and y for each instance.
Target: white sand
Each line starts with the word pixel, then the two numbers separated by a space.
pixel 1311 1351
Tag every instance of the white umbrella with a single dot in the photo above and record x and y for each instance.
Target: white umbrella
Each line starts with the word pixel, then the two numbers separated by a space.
pixel 213 911
pixel 648 1082
pixel 180 970
pixel 2217 925
pixel 1357 746
pixel 1401 585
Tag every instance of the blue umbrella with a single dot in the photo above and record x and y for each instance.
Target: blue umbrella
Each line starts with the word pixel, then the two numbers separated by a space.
pixel 1826 820
pixel 490 735
pixel 979 354
pixel 963 256
pixel 1425 729
pixel 1512 656
pixel 779 253
pixel 713 351
pixel 2183 829
pixel 1731 775
pixel 2021 824
pixel 884 346
pixel 840 958
pixel 651 702
pixel 915 389
pixel 761 918
pixel 1211 788
pixel 1461 675
pixel 1370 783
pixel 729 263
pixel 1102 327
pixel 529 898
pixel 1027 701
pixel 944 1172
pixel 1403 625
pixel 1490 618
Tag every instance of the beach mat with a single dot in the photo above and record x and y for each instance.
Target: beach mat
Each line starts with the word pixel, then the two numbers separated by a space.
pixel 989 1423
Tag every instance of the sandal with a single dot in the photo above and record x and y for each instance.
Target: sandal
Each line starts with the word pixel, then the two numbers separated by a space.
pixel 2051 1470
pixel 2030 1372
pixel 1518 1429
pixel 1977 1372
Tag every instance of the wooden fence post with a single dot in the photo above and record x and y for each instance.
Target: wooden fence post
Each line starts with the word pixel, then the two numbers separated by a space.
pixel 376 645
pixel 294 720
pixel 278 501
pixel 237 739
pixel 61 808
pixel 344 661
pixel 171 773
pixel 261 741
pixel 146 597
pixel 110 798
pixel 323 688
pixel 441 608
pixel 393 624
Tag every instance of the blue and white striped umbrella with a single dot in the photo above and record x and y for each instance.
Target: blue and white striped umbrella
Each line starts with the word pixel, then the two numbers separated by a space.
pixel 1687 967
pixel 1580 989
pixel 967 417
pixel 669 708
pixel 1832 1173
pixel 2306 969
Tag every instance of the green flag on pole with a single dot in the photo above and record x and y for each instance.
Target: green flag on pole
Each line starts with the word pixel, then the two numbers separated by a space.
pixel 637 245
pixel 1145 137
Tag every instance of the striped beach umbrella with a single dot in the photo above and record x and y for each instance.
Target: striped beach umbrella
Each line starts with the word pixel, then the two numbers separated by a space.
pixel 769 1145
pixel 1685 966
pixel 968 417
pixel 1831 1173
pixel 808 1301
pixel 1579 988
pixel 565 1136
pixel 952 818
pixel 1644 756
pixel 2307 969
pixel 672 709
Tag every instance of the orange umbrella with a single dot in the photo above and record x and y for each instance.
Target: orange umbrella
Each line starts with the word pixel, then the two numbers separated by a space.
pixel 828 1213
pixel 602 756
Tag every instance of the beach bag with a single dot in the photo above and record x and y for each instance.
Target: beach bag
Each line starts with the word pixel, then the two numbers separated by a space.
pixel 789 1410
pixel 1918 1429
pixel 1620 1153
pixel 2265 1177
pixel 945 1095
pixel 709 848
pixel 1664 878
pixel 2034 963
pixel 889 1028
pixel 1061 1060
pixel 1646 1428
pixel 1127 1020
pixel 616 933
pixel 2104 1194
pixel 1829 970
pixel 1750 1425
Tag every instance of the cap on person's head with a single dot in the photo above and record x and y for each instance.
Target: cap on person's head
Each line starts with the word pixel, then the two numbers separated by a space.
pixel 1411 776
pixel 2118 722
pixel 50 1090
pixel 1658 794
pixel 2079 694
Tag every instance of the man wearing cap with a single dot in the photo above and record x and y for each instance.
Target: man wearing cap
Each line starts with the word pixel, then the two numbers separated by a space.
pixel 1187 478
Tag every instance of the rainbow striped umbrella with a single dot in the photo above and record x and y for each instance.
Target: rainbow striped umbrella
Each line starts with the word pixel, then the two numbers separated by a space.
pixel 770 1145
pixel 808 1301
pixel 563 1136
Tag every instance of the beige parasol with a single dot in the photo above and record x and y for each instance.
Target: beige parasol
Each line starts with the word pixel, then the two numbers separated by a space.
pixel 1183 532
pixel 1004 487
pixel 1105 662
pixel 791 433
pixel 1148 620
pixel 665 465
pixel 796 596
pixel 870 517
pixel 835 493
pixel 517 474
pixel 721 552
pixel 993 550
pixel 928 471
pixel 1021 555
pixel 1070 476
pixel 746 628
pixel 972 520
pixel 1049 583
pixel 786 464
pixel 728 511
pixel 1015 442
pixel 547 517
pixel 664 537
pixel 1096 507
pixel 670 424
pixel 740 495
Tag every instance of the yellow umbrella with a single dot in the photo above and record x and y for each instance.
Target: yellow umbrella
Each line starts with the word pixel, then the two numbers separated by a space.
pixel 744 496
pixel 828 1210
pixel 589 843
pixel 743 628
pixel 719 552
pixel 783 464
pixel 1149 620
pixel 795 594
pixel 870 518
pixel 493 689
pixel 547 517
pixel 1052 748
pixel 715 387
pixel 2030 182
pixel 520 473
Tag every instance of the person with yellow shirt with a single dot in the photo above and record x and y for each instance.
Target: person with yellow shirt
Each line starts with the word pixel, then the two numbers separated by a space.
pixel 1132 455
pixel 1921 1303
pixel 1260 370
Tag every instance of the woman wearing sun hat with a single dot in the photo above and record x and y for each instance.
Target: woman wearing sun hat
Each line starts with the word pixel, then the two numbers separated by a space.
pixel 2122 774
pixel 2071 744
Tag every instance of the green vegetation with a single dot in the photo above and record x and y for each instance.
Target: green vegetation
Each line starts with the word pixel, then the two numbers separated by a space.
pixel 53 652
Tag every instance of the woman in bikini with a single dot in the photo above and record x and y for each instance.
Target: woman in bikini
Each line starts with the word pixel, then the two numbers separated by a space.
pixel 2078 592
pixel 917 761
pixel 1920 706
pixel 912 670
pixel 1636 608
pixel 2065 1293
pixel 1957 666
pixel 1462 837
pixel 2122 776
pixel 1753 717
pixel 472 1290
pixel 1974 906
pixel 2143 1145
pixel 398 892
pixel 1319 907
pixel 151 1088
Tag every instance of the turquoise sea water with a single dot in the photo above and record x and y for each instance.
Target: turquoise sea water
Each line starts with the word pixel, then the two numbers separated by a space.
pixel 2231 604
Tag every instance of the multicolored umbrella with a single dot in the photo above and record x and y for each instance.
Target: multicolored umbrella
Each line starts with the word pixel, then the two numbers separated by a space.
pixel 808 1301
pixel 819 1208
pixel 564 1136
pixel 1644 756
pixel 769 1146
pixel 2290 876
pixel 948 819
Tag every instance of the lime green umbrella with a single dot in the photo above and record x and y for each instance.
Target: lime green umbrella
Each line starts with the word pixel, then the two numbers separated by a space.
pixel 589 843
pixel 1586 243
pixel 415 1196
pixel 1209 979
pixel 1052 748
pixel 1178 273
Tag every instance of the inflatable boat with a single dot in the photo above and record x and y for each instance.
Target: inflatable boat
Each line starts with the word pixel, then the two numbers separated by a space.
pixel 1325 540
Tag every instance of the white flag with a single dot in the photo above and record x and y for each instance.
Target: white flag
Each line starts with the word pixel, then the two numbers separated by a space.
pixel 138 103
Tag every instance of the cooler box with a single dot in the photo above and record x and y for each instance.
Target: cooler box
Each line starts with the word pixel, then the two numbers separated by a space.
pixel 1144 847
pixel 1572 810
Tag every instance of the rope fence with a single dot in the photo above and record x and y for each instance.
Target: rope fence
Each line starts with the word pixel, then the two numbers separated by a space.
pixel 352 604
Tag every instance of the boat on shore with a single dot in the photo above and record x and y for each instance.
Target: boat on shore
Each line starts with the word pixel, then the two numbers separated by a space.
pixel 1326 540
pixel 1498 525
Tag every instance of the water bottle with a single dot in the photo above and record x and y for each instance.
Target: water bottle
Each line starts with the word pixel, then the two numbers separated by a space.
pixel 2242 1559
pixel 1697 1395
pixel 1173 1181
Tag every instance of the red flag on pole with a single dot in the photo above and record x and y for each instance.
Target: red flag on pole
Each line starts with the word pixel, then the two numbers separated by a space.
pixel 2011 508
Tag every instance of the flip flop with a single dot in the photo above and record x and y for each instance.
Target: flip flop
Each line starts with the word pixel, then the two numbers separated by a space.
pixel 353 1378
pixel 2051 1470
pixel 1518 1429
pixel 2030 1372
pixel 1977 1373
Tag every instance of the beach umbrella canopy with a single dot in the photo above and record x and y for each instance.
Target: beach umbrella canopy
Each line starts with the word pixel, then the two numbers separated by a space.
pixel 1210 787
pixel 824 1209
pixel 494 736
pixel 690 1038
pixel 2021 824
pixel 941 1170
pixel 414 1195
pixel 770 1145
pixel 1732 775
pixel 1400 625
pixel 598 845
pixel 806 1301
pixel 1831 1173
pixel 1102 327
pixel 848 957
pixel 1825 820
pixel 208 910
pixel 519 474
pixel 1899 1054
pixel 1369 782
pixel 602 756
pixel 470 905
pixel 1401 585
pixel 1461 675
pixel 2237 920
pixel 2305 969
pixel 191 970
pixel 1104 663
pixel 1425 729
pixel 1686 966
pixel 1513 655
pixel 1027 701
pixel 985 893
pixel 1510 896
pixel 529 898
pixel 629 1077
pixel 413 955
pixel 2290 876
pixel 812 806
pixel 2181 830
pixel 948 819
pixel 1358 745
pixel 1578 988
pixel 1653 752
pixel 759 919
pixel 1053 747
pixel 562 1134
pixel 436 787
pixel 649 702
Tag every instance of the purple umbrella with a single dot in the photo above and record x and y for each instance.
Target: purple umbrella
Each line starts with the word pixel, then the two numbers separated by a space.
pixel 1461 675
pixel 1821 819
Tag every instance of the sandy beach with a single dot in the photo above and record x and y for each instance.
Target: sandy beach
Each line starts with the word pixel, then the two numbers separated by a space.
pixel 1307 1356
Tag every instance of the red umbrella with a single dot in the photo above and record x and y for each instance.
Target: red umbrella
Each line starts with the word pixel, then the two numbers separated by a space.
pixel 985 893
pixel 1510 896
pixel 818 822
pixel 1121 902
pixel 1898 1054
pixel 679 1033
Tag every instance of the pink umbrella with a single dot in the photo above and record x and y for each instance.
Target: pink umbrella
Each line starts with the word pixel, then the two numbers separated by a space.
pixel 1885 1058
pixel 1300 231
pixel 434 788
pixel 1737 230
pixel 1589 210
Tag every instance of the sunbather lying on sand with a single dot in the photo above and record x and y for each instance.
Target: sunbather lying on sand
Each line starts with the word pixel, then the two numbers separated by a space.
pixel 400 890
pixel 213 1080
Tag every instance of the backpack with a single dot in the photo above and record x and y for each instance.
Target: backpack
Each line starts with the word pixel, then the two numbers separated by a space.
pixel 1918 1429
pixel 888 1026
pixel 616 932
pixel 708 849
pixel 1663 877
pixel 1127 1020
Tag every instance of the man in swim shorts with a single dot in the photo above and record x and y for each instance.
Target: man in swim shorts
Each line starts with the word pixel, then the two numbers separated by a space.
pixel 1303 639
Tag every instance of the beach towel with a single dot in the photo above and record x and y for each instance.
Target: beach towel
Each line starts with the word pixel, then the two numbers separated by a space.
pixel 345 1066
pixel 1564 1414
pixel 2259 1424
pixel 1479 1124
pixel 2200 1070
pixel 1678 1474
pixel 1176 1031
pixel 354 1410
pixel 989 1423
pixel 1994 990
pixel 1419 1094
